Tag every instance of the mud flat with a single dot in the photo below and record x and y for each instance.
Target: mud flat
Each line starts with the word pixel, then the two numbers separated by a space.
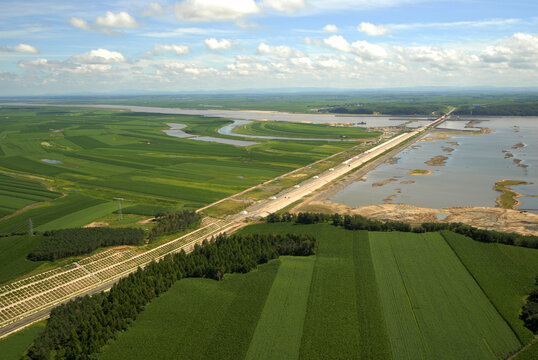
pixel 392 161
pixel 447 149
pixel 439 160
pixel 491 218
pixel 419 172
pixel 518 145
pixel 384 182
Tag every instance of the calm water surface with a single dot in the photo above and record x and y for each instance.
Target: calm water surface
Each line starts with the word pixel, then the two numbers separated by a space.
pixel 471 170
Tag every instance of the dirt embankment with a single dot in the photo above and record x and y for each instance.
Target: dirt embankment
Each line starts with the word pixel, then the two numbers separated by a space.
pixel 506 220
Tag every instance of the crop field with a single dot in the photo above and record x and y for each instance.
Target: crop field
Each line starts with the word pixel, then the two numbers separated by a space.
pixel 13 251
pixel 507 283
pixel 105 154
pixel 280 327
pixel 15 345
pixel 433 307
pixel 16 193
pixel 218 319
pixel 43 214
pixel 370 296
pixel 275 128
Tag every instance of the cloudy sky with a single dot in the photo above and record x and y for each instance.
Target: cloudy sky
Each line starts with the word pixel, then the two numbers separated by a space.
pixel 61 47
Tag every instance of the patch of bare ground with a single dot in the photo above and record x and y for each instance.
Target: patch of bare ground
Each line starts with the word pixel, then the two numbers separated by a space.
pixel 392 161
pixel 434 136
pixel 96 224
pixel 146 221
pixel 447 149
pixel 384 182
pixel 518 145
pixel 518 163
pixel 407 182
pixel 453 143
pixel 438 160
pixel 388 199
pixel 508 154
pixel 491 218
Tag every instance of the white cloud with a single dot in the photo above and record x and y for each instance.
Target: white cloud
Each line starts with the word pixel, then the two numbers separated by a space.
pixel 37 63
pixel 121 19
pixel 20 48
pixel 280 51
pixel 331 28
pixel 286 6
pixel 99 56
pixel 79 23
pixel 337 42
pixel 518 51
pixel 214 44
pixel 369 51
pixel 372 30
pixel 178 49
pixel 215 10
pixel 437 58
pixel 154 9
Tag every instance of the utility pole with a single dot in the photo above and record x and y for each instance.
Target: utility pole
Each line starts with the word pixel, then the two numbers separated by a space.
pixel 120 215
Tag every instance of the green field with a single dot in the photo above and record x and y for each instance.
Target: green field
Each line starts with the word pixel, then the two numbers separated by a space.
pixel 433 307
pixel 279 329
pixel 16 193
pixel 105 154
pixel 13 252
pixel 12 347
pixel 363 296
pixel 284 129
pixel 505 284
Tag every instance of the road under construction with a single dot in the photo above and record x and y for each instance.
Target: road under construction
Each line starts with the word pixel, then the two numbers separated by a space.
pixel 30 299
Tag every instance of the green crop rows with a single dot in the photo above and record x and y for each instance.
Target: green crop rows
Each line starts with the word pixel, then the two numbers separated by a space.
pixel 275 128
pixel 363 296
pixel 105 154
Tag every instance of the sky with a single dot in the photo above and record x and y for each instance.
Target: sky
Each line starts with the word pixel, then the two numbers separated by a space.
pixel 75 47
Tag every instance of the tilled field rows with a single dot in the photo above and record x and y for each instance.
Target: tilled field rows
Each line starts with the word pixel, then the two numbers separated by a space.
pixel 27 296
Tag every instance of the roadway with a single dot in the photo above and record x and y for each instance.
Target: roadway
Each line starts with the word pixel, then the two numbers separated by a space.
pixel 260 209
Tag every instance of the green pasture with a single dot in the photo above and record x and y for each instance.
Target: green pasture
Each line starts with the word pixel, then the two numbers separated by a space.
pixel 285 129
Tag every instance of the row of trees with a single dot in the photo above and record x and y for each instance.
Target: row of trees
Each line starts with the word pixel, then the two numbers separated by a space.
pixel 170 222
pixel 69 242
pixel 357 222
pixel 529 312
pixel 79 328
pixel 518 109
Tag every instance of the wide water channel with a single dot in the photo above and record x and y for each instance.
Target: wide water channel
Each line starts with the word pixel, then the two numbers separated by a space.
pixel 474 163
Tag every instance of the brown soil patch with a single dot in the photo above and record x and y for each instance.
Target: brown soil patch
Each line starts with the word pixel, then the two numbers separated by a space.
pixel 407 182
pixel 506 220
pixel 145 221
pixel 392 161
pixel 96 224
pixel 384 182
pixel 453 143
pixel 437 136
pixel 439 160
pixel 388 199
pixel 293 176
pixel 420 172
pixel 447 149
pixel 508 155
pixel 518 145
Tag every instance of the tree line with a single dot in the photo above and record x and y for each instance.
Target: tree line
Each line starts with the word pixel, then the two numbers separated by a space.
pixel 170 222
pixel 79 328
pixel 358 222
pixel 529 312
pixel 70 242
